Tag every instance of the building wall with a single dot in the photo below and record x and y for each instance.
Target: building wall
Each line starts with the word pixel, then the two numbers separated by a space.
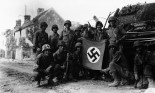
pixel 17 36
pixel 20 52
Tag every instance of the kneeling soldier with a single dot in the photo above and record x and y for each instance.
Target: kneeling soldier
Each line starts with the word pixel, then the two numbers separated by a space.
pixel 44 64
pixel 60 57
pixel 149 71
pixel 118 68
pixel 139 65
pixel 76 65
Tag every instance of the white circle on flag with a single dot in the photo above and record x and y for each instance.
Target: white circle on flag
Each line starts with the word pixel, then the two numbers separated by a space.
pixel 93 54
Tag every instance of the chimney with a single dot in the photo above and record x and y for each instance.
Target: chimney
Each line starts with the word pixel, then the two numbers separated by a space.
pixel 27 17
pixel 18 22
pixel 40 10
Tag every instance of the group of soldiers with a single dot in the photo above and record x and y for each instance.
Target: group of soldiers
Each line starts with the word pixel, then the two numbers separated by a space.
pixel 60 56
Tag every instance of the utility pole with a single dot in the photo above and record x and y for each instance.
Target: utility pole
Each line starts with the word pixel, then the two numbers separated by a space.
pixel 25 9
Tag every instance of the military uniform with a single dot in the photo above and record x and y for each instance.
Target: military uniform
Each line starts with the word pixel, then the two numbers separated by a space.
pixel 77 33
pixel 149 70
pixel 99 34
pixel 87 32
pixel 139 65
pixel 76 63
pixel 53 39
pixel 119 69
pixel 44 65
pixel 40 38
pixel 60 58
pixel 115 34
pixel 68 36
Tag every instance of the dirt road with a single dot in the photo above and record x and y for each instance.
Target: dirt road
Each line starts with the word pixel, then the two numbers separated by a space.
pixel 15 77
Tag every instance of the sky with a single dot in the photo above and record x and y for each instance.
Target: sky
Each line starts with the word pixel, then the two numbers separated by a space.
pixel 75 10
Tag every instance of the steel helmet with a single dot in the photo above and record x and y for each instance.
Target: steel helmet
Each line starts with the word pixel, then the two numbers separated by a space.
pixel 99 23
pixel 80 26
pixel 43 24
pixel 68 22
pixel 78 44
pixel 112 19
pixel 46 47
pixel 54 26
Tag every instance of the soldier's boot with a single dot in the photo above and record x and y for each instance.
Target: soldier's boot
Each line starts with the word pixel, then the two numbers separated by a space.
pixel 116 81
pixel 150 80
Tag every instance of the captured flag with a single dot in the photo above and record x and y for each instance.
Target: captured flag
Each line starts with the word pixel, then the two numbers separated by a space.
pixel 92 54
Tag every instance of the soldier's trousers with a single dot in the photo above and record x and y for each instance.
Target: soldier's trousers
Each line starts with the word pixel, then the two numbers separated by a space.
pixel 54 71
pixel 111 53
pixel 38 75
pixel 115 68
pixel 149 71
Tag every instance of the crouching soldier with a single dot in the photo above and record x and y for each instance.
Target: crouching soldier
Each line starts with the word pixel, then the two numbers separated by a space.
pixel 139 64
pixel 149 71
pixel 44 65
pixel 60 57
pixel 76 64
pixel 118 69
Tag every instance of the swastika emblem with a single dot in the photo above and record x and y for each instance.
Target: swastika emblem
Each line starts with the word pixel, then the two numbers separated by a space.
pixel 93 54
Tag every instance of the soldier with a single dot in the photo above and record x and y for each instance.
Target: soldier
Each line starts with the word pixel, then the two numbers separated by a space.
pixel 60 58
pixel 81 29
pixel 99 33
pixel 115 35
pixel 67 35
pixel 78 32
pixel 118 68
pixel 139 64
pixel 44 65
pixel 85 30
pixel 53 39
pixel 77 61
pixel 40 38
pixel 149 71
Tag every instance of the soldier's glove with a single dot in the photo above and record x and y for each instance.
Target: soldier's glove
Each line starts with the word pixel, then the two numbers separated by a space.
pixel 136 77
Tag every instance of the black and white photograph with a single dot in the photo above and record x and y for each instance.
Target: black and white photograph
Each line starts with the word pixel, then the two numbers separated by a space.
pixel 77 46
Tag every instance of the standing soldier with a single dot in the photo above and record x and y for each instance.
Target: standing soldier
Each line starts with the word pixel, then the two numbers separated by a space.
pixel 67 35
pixel 40 38
pixel 86 32
pixel 44 65
pixel 99 33
pixel 115 34
pixel 78 32
pixel 139 64
pixel 81 29
pixel 53 39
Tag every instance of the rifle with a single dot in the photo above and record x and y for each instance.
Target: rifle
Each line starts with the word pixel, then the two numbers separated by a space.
pixel 89 25
pixel 106 20
pixel 68 54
